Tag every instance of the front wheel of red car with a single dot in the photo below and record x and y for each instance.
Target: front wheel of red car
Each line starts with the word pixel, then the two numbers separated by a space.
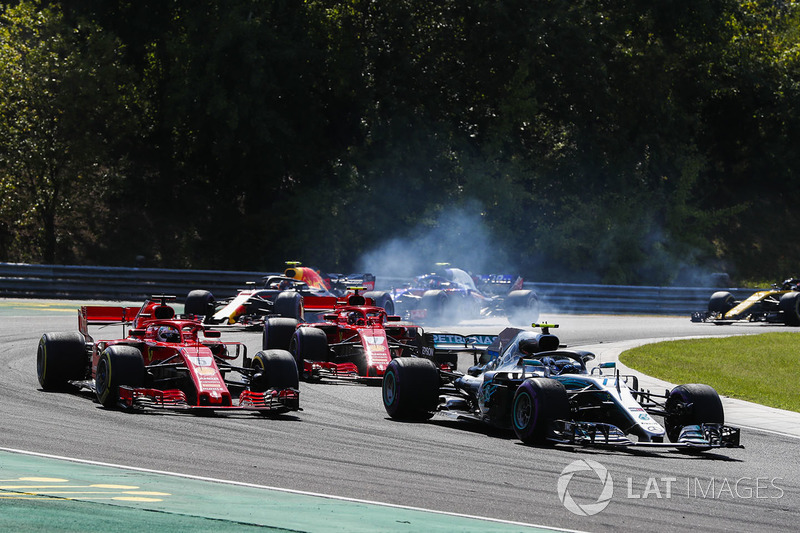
pixel 278 333
pixel 118 365
pixel 273 369
pixel 309 344
pixel 410 388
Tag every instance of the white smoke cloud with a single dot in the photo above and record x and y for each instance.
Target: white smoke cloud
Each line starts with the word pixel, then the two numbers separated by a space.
pixel 458 235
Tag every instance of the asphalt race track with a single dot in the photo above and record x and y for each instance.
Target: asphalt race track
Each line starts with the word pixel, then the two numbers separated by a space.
pixel 343 444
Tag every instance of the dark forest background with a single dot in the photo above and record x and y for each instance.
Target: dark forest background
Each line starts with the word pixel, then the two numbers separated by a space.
pixel 626 142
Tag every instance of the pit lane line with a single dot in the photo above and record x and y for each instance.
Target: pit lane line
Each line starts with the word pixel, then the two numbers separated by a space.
pixel 285 508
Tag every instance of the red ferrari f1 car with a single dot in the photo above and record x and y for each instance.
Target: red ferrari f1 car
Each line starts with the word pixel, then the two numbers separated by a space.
pixel 354 341
pixel 299 292
pixel 166 362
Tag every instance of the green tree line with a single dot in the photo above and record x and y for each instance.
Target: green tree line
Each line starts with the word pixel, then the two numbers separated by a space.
pixel 622 142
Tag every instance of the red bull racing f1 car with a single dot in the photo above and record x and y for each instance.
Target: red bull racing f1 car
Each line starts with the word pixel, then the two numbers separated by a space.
pixel 166 362
pixel 298 292
pixel 527 382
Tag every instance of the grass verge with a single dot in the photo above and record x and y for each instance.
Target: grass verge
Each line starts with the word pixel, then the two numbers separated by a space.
pixel 764 368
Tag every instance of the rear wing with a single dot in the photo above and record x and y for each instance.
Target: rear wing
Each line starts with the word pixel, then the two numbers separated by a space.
pixel 104 315
pixel 339 282
pixel 499 283
pixel 458 342
pixel 445 347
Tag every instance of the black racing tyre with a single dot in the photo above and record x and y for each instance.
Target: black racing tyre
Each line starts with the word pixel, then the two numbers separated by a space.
pixel 721 302
pixel 199 303
pixel 537 402
pixel 789 305
pixel 309 344
pixel 118 365
pixel 278 333
pixel 61 357
pixel 522 307
pixel 691 404
pixel 410 388
pixel 382 299
pixel 436 305
pixel 274 369
pixel 289 304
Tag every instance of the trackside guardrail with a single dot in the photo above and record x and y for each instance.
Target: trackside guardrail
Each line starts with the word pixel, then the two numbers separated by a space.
pixel 119 283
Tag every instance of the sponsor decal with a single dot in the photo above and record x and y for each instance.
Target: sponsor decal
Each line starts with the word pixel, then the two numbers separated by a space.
pixel 449 338
pixel 201 361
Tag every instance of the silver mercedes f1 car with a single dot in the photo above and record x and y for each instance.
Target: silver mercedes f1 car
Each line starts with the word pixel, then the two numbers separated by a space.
pixel 529 382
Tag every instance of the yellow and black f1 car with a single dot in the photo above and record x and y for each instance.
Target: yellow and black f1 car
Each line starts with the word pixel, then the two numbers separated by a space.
pixel 780 304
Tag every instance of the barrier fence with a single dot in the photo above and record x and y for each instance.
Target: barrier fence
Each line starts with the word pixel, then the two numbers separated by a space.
pixel 119 283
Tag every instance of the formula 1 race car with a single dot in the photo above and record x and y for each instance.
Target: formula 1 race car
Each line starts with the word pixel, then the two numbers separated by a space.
pixel 450 295
pixel 165 362
pixel 527 382
pixel 299 291
pixel 780 304
pixel 354 341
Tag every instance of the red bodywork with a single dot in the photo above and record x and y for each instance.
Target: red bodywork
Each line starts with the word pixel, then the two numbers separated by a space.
pixel 363 333
pixel 192 352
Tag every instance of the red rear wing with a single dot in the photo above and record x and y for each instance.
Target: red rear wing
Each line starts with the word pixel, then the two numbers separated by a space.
pixel 104 314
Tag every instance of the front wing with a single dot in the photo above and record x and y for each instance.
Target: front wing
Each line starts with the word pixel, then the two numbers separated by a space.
pixel 274 401
pixel 697 437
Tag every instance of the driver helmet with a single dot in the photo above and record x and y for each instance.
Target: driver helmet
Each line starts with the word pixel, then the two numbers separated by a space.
pixel 168 334
pixel 356 318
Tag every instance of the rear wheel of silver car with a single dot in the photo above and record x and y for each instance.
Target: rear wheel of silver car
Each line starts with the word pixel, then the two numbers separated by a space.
pixel 691 404
pixel 60 358
pixel 537 403
pixel 117 366
pixel 410 388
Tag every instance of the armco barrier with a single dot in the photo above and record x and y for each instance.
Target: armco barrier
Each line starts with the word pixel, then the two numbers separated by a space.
pixel 118 283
